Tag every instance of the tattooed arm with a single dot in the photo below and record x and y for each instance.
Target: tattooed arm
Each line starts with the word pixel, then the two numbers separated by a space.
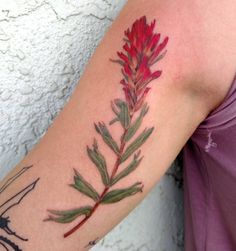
pixel 129 117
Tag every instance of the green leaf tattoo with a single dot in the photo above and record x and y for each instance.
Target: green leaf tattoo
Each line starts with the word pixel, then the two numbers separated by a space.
pixel 69 215
pixel 135 126
pixel 141 50
pixel 123 114
pixel 84 187
pixel 120 194
pixel 130 168
pixel 102 129
pixel 136 144
pixel 98 159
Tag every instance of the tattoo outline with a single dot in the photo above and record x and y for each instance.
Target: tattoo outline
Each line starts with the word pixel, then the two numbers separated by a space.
pixel 9 204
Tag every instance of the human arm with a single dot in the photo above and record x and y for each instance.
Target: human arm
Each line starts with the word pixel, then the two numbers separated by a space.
pixel 66 146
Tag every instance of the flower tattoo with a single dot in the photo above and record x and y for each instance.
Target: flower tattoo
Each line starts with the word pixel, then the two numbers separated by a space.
pixel 142 48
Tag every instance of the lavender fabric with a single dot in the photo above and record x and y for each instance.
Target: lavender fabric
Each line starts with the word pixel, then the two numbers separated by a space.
pixel 209 159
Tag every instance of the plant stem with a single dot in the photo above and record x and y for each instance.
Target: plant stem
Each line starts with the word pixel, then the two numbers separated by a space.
pixel 114 171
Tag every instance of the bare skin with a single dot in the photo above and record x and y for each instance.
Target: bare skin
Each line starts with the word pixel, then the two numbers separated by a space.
pixel 198 70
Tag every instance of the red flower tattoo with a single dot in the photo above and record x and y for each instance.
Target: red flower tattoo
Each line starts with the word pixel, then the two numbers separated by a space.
pixel 141 50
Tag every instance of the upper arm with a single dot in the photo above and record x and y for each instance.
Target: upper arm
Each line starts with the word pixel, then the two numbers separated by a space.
pixel 175 111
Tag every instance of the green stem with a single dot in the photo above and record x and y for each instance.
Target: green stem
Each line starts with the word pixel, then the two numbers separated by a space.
pixel 106 189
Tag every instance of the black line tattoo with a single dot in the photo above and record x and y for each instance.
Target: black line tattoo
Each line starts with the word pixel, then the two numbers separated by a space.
pixel 8 245
pixel 10 180
pixel 13 201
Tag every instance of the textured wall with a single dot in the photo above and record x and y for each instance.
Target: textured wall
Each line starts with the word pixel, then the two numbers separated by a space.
pixel 44 46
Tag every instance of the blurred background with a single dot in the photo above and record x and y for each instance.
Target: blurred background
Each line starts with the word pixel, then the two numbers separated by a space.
pixel 44 47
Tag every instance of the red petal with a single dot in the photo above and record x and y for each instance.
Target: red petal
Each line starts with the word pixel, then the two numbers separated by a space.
pixel 163 44
pixel 142 98
pixel 133 51
pixel 126 47
pixel 127 70
pixel 158 50
pixel 143 64
pixel 156 74
pixel 123 57
pixel 154 41
pixel 123 82
pixel 153 25
pixel 128 97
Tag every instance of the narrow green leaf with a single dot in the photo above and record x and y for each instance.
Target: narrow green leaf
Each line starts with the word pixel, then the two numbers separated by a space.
pixel 135 126
pixel 114 109
pixel 106 136
pixel 136 143
pixel 133 129
pixel 120 194
pixel 160 57
pixel 100 162
pixel 84 187
pixel 124 114
pixel 117 61
pixel 113 121
pixel 130 168
pixel 68 215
